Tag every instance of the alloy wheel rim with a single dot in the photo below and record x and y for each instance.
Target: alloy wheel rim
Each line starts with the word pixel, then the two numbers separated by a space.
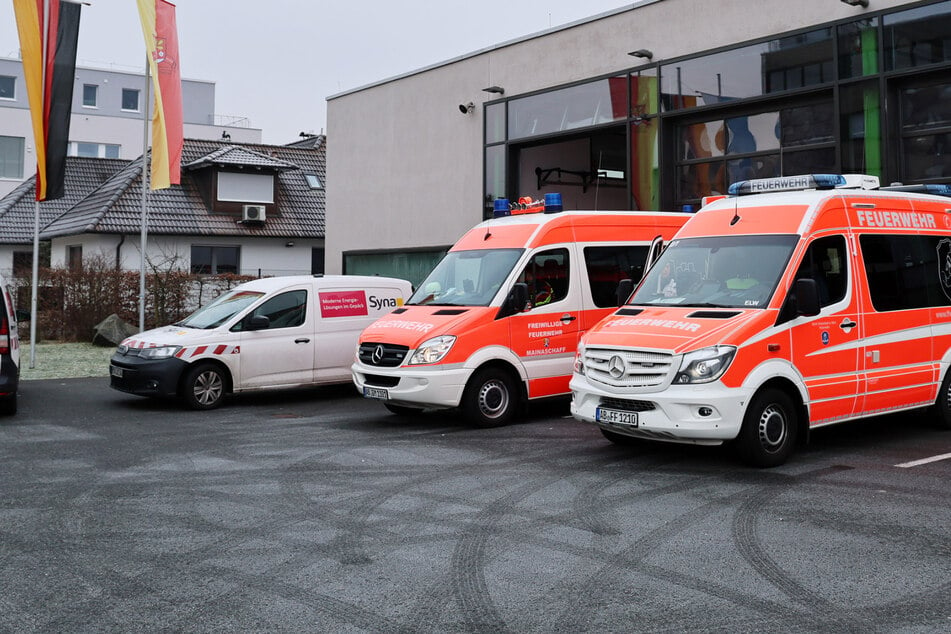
pixel 208 387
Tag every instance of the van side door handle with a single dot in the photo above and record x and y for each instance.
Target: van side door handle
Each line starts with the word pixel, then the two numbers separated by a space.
pixel 847 325
pixel 568 317
pixel 302 340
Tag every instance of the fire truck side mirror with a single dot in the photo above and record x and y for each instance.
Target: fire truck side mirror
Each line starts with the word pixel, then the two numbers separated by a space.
pixel 516 300
pixel 807 297
pixel 624 289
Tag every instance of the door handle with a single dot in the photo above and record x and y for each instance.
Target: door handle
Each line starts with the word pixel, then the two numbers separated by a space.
pixel 847 324
pixel 302 340
pixel 568 317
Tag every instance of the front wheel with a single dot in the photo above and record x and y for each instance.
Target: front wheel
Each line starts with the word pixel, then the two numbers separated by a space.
pixel 204 386
pixel 770 426
pixel 490 399
pixel 943 404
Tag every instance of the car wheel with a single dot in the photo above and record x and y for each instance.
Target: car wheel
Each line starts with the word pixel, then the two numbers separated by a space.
pixel 768 435
pixel 943 404
pixel 8 406
pixel 490 399
pixel 620 439
pixel 204 386
pixel 402 410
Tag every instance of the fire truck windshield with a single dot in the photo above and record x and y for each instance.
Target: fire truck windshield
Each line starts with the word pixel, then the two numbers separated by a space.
pixel 467 278
pixel 718 271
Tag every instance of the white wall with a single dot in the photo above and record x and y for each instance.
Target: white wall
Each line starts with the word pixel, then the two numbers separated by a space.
pixel 403 160
pixel 267 256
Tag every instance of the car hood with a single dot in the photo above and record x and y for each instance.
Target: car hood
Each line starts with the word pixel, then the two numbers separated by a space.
pixel 175 336
pixel 412 325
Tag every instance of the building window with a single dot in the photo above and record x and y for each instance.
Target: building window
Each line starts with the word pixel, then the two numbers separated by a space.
pixel 93 150
pixel 8 87
pixel 312 180
pixel 22 263
pixel 215 260
pixel 90 95
pixel 74 257
pixel 245 188
pixel 11 157
pixel 925 133
pixel 406 265
pixel 317 260
pixel 130 99
pixel 917 37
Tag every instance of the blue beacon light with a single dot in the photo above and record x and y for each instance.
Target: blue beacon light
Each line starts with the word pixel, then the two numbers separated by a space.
pixel 552 203
pixel 501 208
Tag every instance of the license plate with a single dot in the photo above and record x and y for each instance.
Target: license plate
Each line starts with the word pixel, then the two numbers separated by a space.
pixel 375 392
pixel 616 417
pixel 115 371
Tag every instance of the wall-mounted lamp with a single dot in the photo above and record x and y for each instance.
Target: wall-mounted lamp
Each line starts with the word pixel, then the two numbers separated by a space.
pixel 642 53
pixel 857 3
pixel 225 136
pixel 467 108
pixel 497 90
pixel 289 243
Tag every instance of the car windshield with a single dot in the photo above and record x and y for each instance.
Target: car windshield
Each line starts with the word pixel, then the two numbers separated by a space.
pixel 467 278
pixel 717 272
pixel 221 310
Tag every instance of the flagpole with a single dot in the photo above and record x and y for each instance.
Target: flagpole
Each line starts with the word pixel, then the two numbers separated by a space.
pixel 36 207
pixel 143 236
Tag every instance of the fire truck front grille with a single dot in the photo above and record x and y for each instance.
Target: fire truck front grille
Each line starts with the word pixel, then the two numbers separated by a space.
pixel 626 405
pixel 627 368
pixel 385 355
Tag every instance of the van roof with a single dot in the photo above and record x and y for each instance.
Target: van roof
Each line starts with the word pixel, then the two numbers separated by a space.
pixel 532 230
pixel 267 284
pixel 796 212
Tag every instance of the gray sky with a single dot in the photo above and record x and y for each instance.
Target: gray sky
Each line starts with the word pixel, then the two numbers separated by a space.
pixel 276 61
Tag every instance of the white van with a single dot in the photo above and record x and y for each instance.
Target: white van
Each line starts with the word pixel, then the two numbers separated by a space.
pixel 270 333
pixel 9 353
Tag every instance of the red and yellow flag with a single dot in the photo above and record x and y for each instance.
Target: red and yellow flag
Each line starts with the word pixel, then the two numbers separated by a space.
pixel 161 43
pixel 49 76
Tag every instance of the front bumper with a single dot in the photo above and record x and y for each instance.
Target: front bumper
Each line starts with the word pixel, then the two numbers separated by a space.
pixel 146 377
pixel 434 386
pixel 706 414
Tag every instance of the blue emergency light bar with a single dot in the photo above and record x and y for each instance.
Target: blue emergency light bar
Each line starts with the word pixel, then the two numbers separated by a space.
pixel 930 188
pixel 502 207
pixel 787 184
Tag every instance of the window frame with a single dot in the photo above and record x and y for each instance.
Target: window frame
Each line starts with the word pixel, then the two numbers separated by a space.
pixel 138 100
pixel 13 87
pixel 95 96
pixel 213 257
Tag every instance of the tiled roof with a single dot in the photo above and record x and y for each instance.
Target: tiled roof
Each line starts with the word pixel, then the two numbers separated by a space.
pixel 115 206
pixel 17 209
pixel 239 157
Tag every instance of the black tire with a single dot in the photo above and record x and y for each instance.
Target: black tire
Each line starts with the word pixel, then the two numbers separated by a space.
pixel 402 410
pixel 204 386
pixel 491 398
pixel 770 427
pixel 942 406
pixel 8 406
pixel 620 439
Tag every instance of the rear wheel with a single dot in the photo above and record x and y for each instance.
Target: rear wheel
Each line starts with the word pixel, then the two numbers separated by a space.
pixel 204 386
pixel 943 404
pixel 402 410
pixel 770 426
pixel 491 398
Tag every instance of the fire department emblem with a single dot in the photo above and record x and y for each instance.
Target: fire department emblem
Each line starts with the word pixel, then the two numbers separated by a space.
pixel 944 266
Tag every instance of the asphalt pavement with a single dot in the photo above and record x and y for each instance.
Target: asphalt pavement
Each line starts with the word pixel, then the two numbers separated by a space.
pixel 315 510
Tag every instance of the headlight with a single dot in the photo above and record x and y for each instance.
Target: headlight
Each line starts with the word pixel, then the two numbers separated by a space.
pixel 432 350
pixel 159 352
pixel 578 367
pixel 706 365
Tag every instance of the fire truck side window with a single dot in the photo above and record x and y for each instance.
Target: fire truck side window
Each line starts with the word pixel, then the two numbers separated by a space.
pixel 606 266
pixel 546 276
pixel 825 262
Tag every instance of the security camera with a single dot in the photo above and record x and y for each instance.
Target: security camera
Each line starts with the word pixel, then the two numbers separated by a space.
pixel 467 108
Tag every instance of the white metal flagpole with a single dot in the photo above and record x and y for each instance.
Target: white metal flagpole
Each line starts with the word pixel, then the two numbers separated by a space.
pixel 36 208
pixel 143 236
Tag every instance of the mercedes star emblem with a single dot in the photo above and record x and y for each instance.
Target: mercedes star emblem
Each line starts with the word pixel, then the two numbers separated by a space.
pixel 377 355
pixel 616 367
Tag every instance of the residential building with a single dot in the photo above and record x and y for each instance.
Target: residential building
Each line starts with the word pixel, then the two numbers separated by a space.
pixel 651 106
pixel 247 209
pixel 107 118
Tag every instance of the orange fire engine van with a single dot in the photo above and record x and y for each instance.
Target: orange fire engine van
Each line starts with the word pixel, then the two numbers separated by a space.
pixel 498 320
pixel 823 299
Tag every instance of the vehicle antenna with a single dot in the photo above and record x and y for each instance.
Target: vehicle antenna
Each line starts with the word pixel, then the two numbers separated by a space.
pixel 736 213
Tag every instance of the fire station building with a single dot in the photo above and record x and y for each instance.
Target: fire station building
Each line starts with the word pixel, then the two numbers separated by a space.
pixel 647 107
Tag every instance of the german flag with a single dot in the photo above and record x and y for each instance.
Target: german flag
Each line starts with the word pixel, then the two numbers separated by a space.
pixel 161 43
pixel 49 76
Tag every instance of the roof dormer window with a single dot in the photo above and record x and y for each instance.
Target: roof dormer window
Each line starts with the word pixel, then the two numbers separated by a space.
pixel 245 188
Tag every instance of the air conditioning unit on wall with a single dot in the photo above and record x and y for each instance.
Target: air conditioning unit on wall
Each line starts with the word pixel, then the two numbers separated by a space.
pixel 253 213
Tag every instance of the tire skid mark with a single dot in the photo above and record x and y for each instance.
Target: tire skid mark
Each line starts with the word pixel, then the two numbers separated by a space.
pixel 748 544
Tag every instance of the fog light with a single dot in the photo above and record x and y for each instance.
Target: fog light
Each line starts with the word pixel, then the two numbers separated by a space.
pixel 152 384
pixel 705 411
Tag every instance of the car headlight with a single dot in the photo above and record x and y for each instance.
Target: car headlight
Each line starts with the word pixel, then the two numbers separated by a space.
pixel 432 350
pixel 578 367
pixel 706 365
pixel 159 352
